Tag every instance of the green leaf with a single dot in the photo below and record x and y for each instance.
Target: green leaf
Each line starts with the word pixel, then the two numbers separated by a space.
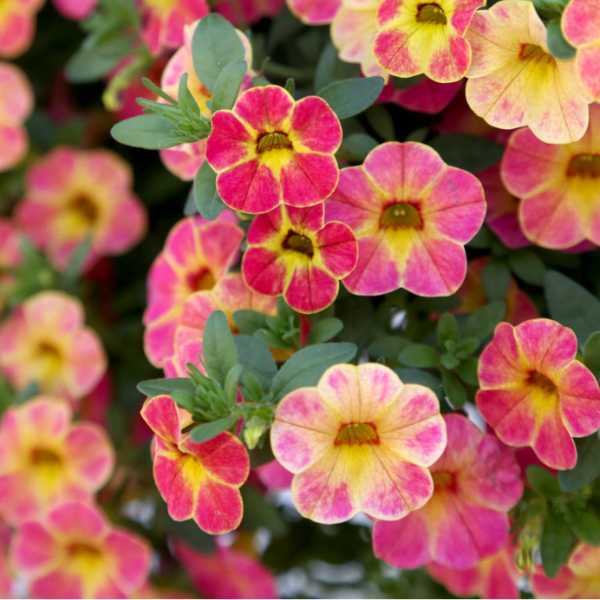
pixel 586 527
pixel 495 279
pixel 159 387
pixel 324 330
pixel 416 376
pixel 572 305
pixel 183 400
pixel 483 321
pixel 218 347
pixel 306 366
pixel 467 371
pixel 388 346
pixel 31 390
pixel 350 97
pixel 557 44
pixel 359 144
pixel 557 540
pixel 527 266
pixel 466 347
pixel 382 123
pixel 261 514
pixel 231 382
pixel 249 321
pixel 454 389
pixel 543 482
pixel 587 468
pixel 187 102
pixel 206 196
pixel 208 431
pixel 252 386
pixel 290 86
pixel 449 361
pixel 331 69
pixel 145 131
pixel 420 356
pixel 447 329
pixel 403 83
pixel 93 62
pixel 591 353
pixel 228 84
pixel 255 357
pixel 467 151
pixel 215 44
pixel 78 259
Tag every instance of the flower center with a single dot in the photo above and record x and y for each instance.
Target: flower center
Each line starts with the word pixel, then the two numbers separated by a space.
pixel 273 141
pixel 442 480
pixel 584 166
pixel 85 209
pixel 401 216
pixel 431 13
pixel 41 457
pixel 357 434
pixel 49 351
pixel 202 279
pixel 534 52
pixel 299 243
pixel 542 383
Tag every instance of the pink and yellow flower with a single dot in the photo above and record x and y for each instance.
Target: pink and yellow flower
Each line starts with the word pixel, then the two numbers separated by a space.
pixel 414 38
pixel 294 252
pixel 10 257
pixel 16 104
pixel 73 552
pixel 515 81
pixel 45 459
pixel 17 26
pixel 243 13
pixel 315 12
pixel 197 481
pixel 70 194
pixel 45 341
pixel 271 149
pixel 558 185
pixel 412 215
pixel 578 579
pixel 76 9
pixel 534 393
pixel 476 481
pixel 196 255
pixel 360 440
pixel 427 96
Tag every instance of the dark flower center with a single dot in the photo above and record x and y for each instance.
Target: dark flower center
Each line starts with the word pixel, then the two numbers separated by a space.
pixel 401 215
pixel 431 13
pixel 85 208
pixel 542 383
pixel 273 141
pixel 534 52
pixel 357 434
pixel 442 480
pixel 202 279
pixel 42 456
pixel 584 166
pixel 49 351
pixel 298 243
pixel 83 551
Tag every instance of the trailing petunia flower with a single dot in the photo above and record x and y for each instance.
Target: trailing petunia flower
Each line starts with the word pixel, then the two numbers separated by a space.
pixel 271 149
pixel 361 440
pixel 73 552
pixel 17 26
pixel 412 215
pixel 577 579
pixel 415 38
pixel 16 104
pixel 294 252
pixel 275 476
pixel 196 255
pixel 44 340
pixel 10 257
pixel 197 481
pixel 243 13
pixel 71 194
pixel 426 96
pixel 45 459
pixel 515 81
pixel 534 393
pixel 76 9
pixel 315 12
pixel 558 186
pixel 476 481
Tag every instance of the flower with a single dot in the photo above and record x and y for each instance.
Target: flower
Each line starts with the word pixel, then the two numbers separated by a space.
pixel 360 440
pixel 558 185
pixel 578 579
pixel 294 252
pixel 534 393
pixel 71 194
pixel 414 38
pixel 426 96
pixel 271 149
pixel 475 482
pixel 515 81
pixel 411 214
pixel 199 481
pixel 10 257
pixel 45 341
pixel 17 26
pixel 76 9
pixel 247 12
pixel 196 255
pixel 314 12
pixel 274 476
pixel 45 459
pixel 16 104
pixel 73 552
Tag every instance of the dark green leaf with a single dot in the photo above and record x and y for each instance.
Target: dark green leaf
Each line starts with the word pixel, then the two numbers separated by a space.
pixel 249 321
pixel 269 339
pixel 467 151
pixel 218 347
pixel 331 69
pixel 482 322
pixel 290 86
pixel 187 102
pixel 420 356
pixel 382 123
pixel 449 361
pixel 194 536
pixel 467 371
pixel 527 266
pixel 350 97
pixel 557 44
pixel 159 387
pixel 260 514
pixel 495 279
pixel 466 347
pixel 543 482
pixel 587 468
pixel 145 131
pixel 416 376
pixel 255 357
pixel 556 544
pixel 591 353
pixel 324 330
pixel 231 382
pixel 206 196
pixel 455 391
pixel 447 329
pixel 359 144
pixel 388 346
pixel 403 83
pixel 228 84
pixel 208 431
pixel 252 386
pixel 93 62
pixel 586 527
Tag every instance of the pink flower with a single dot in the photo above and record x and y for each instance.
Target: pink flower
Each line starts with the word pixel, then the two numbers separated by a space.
pixel 294 252
pixel 359 441
pixel 247 12
pixel 411 214
pixel 76 9
pixel 275 476
pixel 73 552
pixel 534 392
pixel 476 481
pixel 10 257
pixel 197 254
pixel 70 194
pixel 271 149
pixel 427 96
pixel 314 12
pixel 45 341
pixel 17 26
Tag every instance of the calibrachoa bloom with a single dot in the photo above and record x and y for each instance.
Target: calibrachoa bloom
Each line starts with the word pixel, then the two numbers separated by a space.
pixel 426 96
pixel 416 38
pixel 10 257
pixel 70 194
pixel 17 26
pixel 196 255
pixel 515 81
pixel 246 12
pixel 411 214
pixel 558 185
pixel 578 579
pixel 45 341
pixel 45 459
pixel 315 12
pixel 76 9
pixel 359 441
pixel 271 149
pixel 73 552
pixel 16 104
pixel 294 252
pixel 534 392
pixel 476 481
pixel 199 481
